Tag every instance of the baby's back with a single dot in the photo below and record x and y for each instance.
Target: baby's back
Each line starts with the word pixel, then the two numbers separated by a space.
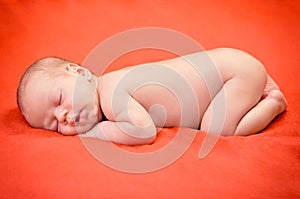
pixel 168 90
pixel 174 92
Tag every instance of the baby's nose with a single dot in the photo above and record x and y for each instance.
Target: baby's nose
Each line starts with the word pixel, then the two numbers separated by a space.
pixel 61 116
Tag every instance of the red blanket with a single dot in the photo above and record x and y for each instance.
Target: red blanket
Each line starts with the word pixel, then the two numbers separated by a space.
pixel 43 164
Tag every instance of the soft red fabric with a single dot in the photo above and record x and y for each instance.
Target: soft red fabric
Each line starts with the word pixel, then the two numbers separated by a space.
pixel 43 164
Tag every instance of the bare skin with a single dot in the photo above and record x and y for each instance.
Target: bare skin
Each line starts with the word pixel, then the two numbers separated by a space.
pixel 252 100
pixel 139 100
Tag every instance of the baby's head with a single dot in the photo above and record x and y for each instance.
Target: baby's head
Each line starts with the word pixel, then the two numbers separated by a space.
pixel 59 95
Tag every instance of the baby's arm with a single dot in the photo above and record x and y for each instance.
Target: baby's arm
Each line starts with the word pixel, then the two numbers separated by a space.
pixel 132 125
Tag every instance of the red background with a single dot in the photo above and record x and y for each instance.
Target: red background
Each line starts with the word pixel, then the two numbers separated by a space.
pixel 43 164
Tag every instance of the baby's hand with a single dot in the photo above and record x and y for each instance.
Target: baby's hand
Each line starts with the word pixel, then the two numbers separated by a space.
pixel 94 132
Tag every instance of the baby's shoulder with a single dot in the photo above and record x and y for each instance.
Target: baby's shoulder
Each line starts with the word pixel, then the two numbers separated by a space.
pixel 111 79
pixel 111 88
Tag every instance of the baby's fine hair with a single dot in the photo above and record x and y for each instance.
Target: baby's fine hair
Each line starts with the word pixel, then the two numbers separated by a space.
pixel 48 66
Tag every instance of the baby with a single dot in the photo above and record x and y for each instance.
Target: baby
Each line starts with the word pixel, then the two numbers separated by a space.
pixel 131 105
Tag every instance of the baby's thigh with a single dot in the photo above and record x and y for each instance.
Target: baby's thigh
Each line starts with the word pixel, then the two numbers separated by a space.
pixel 240 95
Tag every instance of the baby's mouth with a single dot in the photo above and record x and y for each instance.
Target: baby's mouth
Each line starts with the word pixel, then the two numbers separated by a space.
pixel 80 119
pixel 77 119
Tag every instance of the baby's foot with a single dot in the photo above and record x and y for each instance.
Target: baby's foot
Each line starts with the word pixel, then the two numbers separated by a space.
pixel 279 98
pixel 270 86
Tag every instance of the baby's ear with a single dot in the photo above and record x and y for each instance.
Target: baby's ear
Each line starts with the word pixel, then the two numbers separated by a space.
pixel 76 69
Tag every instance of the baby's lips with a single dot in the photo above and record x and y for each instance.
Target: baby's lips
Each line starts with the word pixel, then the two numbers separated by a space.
pixel 72 121
pixel 80 120
pixel 77 119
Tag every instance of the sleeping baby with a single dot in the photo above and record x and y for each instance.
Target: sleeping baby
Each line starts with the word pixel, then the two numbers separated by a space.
pixel 131 105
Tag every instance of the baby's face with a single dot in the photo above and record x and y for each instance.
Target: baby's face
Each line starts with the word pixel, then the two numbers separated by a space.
pixel 67 104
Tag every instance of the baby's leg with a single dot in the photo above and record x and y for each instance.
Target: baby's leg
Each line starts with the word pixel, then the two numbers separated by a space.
pixel 236 98
pixel 244 113
pixel 272 104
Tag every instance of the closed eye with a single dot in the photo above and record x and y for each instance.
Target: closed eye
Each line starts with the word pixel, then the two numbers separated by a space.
pixel 58 104
pixel 60 98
